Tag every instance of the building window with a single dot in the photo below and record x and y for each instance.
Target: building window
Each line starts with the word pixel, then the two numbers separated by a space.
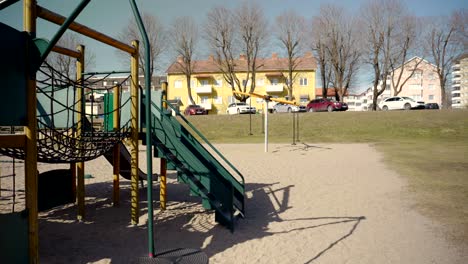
pixel 415 86
pixel 178 84
pixel 260 82
pixel 218 100
pixel 416 75
pixel 193 83
pixel 259 100
pixel 274 81
pixel 219 82
pixel 104 83
pixel 431 97
pixel 231 99
pixel 303 82
pixel 431 76
pixel 204 82
pixel 204 100
pixel 431 87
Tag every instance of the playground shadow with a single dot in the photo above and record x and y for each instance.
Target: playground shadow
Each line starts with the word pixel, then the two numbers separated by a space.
pixel 106 233
pixel 301 147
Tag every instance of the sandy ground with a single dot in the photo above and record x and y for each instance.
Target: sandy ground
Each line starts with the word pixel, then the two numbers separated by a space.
pixel 325 203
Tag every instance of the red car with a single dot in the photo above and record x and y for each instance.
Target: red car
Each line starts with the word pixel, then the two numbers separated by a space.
pixel 324 104
pixel 195 110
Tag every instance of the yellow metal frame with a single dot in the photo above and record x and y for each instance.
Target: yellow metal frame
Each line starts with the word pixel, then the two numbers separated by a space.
pixel 28 141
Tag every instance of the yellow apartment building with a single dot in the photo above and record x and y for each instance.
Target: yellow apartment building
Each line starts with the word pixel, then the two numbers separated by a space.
pixel 211 91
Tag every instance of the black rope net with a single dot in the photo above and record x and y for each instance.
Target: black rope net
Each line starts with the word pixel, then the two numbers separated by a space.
pixel 58 127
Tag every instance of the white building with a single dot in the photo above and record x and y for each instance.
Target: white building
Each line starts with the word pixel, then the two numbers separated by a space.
pixel 460 82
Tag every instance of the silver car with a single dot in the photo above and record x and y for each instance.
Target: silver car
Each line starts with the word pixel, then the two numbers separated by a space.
pixel 288 108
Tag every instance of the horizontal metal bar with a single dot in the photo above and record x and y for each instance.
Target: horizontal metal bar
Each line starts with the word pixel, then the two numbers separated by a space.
pixel 13 141
pixel 72 53
pixel 105 72
pixel 59 20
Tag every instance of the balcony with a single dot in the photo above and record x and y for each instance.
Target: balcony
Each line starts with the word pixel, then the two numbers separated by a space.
pixel 274 88
pixel 207 106
pixel 205 89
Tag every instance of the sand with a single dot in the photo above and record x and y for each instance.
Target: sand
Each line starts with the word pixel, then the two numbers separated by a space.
pixel 321 203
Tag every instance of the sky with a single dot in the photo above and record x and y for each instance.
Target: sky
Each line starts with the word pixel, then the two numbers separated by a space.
pixel 111 17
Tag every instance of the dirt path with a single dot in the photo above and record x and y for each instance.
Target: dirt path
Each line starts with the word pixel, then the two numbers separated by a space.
pixel 326 203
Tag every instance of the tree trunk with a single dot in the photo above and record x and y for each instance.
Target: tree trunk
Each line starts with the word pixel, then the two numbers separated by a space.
pixel 443 94
pixel 189 90
pixel 374 99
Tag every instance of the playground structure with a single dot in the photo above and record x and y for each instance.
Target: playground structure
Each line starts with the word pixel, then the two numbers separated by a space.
pixel 267 99
pixel 50 137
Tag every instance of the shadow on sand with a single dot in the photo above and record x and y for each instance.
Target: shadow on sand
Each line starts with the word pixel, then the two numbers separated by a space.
pixel 107 234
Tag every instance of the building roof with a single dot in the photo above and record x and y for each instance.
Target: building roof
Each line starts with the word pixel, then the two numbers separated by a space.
pixel 417 58
pixel 273 64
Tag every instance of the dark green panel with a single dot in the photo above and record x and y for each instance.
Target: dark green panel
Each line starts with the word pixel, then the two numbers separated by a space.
pixel 14 237
pixel 13 71
pixel 108 107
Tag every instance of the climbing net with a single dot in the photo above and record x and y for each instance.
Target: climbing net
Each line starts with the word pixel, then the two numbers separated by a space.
pixel 58 140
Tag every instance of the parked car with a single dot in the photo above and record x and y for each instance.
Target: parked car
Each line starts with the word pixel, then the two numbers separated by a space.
pixel 195 110
pixel 325 104
pixel 431 106
pixel 288 108
pixel 240 108
pixel 399 103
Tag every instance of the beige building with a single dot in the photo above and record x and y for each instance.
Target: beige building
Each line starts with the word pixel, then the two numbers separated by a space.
pixel 423 85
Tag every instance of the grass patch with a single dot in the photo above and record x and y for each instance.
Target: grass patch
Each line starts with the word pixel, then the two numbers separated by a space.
pixel 429 148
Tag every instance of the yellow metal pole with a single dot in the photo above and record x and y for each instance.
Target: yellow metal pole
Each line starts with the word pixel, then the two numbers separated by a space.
pixel 134 135
pixel 80 94
pixel 163 186
pixel 30 170
pixel 116 125
pixel 163 174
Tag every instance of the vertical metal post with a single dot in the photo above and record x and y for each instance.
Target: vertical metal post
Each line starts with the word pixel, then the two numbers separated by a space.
pixel 294 128
pixel 250 116
pixel 297 127
pixel 81 115
pixel 30 169
pixel 134 135
pixel 163 186
pixel 163 174
pixel 263 118
pixel 116 150
pixel 266 125
pixel 149 158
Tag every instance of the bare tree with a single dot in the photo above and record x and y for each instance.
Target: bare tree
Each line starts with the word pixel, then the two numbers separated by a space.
pixel 156 36
pixel 338 49
pixel 319 46
pixel 220 34
pixel 290 32
pixel 252 28
pixel 228 33
pixel 443 47
pixel 66 65
pixel 184 34
pixel 460 19
pixel 381 19
pixel 407 38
